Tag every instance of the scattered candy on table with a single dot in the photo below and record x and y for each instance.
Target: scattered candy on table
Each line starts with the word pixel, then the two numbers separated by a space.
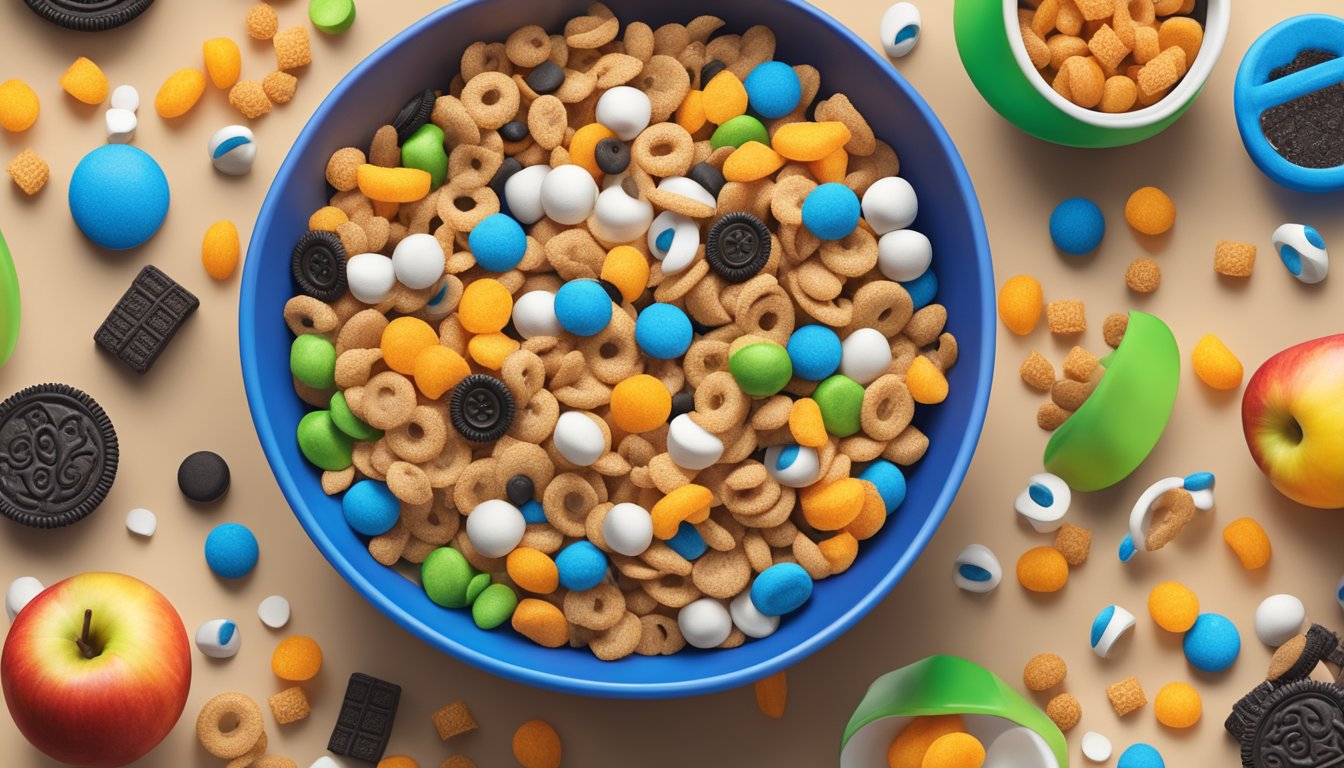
pixel 141 522
pixel 1111 624
pixel 977 569
pixel 231 551
pixel 219 639
pixel 1077 226
pixel 899 29
pixel 1278 618
pixel 1212 644
pixel 1302 250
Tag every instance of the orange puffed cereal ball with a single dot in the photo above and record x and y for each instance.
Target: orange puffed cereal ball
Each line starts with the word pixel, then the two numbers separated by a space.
pixel 536 745
pixel 1173 606
pixel 1178 705
pixel 179 93
pixel 806 424
pixel 1250 543
pixel 541 622
pixel 872 516
pixel 220 250
pixel 262 22
pixel 85 81
pixel 724 97
pixel 19 106
pixel 223 61
pixel 485 306
pixel 398 761
pixel 752 161
pixel 327 219
pixel 533 570
pixel 403 340
pixel 810 141
pixel 1215 364
pixel 393 185
pixel 955 750
pixel 907 750
pixel 297 658
pixel 840 551
pixel 640 403
pixel 627 269
pixel 926 383
pixel 1043 569
pixel 691 113
pixel 831 168
pixel 490 349
pixel 583 146
pixel 1020 304
pixel 772 695
pixel 1149 211
pixel 833 506
pixel 439 369
pixel 688 503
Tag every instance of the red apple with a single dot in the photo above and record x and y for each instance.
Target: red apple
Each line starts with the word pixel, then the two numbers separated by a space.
pixel 1293 417
pixel 96 670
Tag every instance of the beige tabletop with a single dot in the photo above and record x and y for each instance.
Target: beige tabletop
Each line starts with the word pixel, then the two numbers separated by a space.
pixel 193 399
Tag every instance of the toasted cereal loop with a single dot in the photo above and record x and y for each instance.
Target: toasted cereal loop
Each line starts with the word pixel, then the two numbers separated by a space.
pixel 262 22
pixel 280 87
pixel 1234 259
pixel 249 97
pixel 296 658
pixel 1215 364
pixel 1064 711
pixel 223 61
pixel 1020 303
pixel 1065 317
pixel 1177 705
pixel 179 93
pixel 289 706
pixel 1249 542
pixel 29 172
pixel 1050 417
pixel 1074 542
pixel 911 744
pixel 1126 696
pixel 1113 330
pixel 292 49
pixel 1037 372
pixel 1150 212
pixel 453 719
pixel 1043 569
pixel 537 745
pixel 85 81
pixel 772 695
pixel 1143 275
pixel 237 710
pixel 1044 671
pixel 19 106
pixel 220 250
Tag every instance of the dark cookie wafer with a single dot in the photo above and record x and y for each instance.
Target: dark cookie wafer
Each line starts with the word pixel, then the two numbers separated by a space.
pixel 481 408
pixel 738 246
pixel 89 15
pixel 1297 724
pixel 144 321
pixel 414 114
pixel 318 265
pixel 365 723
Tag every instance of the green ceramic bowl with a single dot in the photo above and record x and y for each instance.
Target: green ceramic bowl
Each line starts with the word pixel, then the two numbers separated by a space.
pixel 9 303
pixel 992 51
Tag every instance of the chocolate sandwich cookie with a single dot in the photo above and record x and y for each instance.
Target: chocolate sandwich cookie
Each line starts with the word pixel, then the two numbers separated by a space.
pixel 317 264
pixel 89 15
pixel 58 456
pixel 738 246
pixel 365 723
pixel 144 321
pixel 414 114
pixel 481 408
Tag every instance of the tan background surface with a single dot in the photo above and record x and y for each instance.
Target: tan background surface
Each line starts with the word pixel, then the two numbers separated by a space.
pixel 194 399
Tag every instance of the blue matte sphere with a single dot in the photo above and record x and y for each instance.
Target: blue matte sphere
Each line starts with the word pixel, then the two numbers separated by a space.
pixel 663 331
pixel 498 242
pixel 889 481
pixel 1077 226
pixel 582 566
pixel 118 196
pixel 922 289
pixel 370 508
pixel 773 89
pixel 831 211
pixel 231 551
pixel 1212 644
pixel 582 307
pixel 782 588
pixel 1140 756
pixel 814 351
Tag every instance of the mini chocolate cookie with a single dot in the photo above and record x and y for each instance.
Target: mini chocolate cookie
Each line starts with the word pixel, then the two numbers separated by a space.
pixel 481 408
pixel 365 723
pixel 414 114
pixel 738 246
pixel 318 265
pixel 203 477
pixel 144 321
pixel 89 15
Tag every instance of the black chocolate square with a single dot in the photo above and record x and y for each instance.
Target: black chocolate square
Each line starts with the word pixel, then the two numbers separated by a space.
pixel 144 321
pixel 365 722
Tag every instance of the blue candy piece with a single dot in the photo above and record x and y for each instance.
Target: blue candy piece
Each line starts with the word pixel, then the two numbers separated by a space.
pixel 773 89
pixel 782 588
pixel 1077 226
pixel 1040 494
pixel 688 542
pixel 1212 644
pixel 1140 756
pixel 231 551
pixel 370 508
pixel 533 512
pixel 663 331
pixel 1127 549
pixel 582 566
pixel 1100 623
pixel 118 196
pixel 498 242
pixel 831 211
pixel 582 307
pixel 888 480
pixel 1199 481
pixel 664 240
pixel 226 632
pixel 814 351
pixel 974 572
pixel 922 289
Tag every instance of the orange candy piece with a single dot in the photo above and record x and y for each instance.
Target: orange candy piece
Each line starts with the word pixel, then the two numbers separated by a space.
pixel 752 161
pixel 541 622
pixel 640 403
pixel 690 503
pixel 831 168
pixel 490 349
pixel 725 97
pixel 840 551
pixel 772 695
pixel 627 269
pixel 583 147
pixel 907 750
pixel 1250 543
pixel 1043 569
pixel 927 384
pixel 220 250
pixel 438 369
pixel 872 516
pixel 537 745
pixel 533 570
pixel 1020 304
pixel 297 658
pixel 1215 364
pixel 806 424
pixel 85 81
pixel 485 306
pixel 691 113
pixel 1150 212
pixel 403 340
pixel 832 507
pixel 807 142
pixel 390 185
pixel 327 219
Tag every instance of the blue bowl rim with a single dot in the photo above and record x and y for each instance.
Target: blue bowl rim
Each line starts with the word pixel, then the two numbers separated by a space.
pixel 549 680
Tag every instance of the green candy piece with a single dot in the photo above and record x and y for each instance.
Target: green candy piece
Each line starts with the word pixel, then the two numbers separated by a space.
pixel 348 422
pixel 424 150
pixel 761 370
pixel 446 576
pixel 739 131
pixel 332 16
pixel 476 586
pixel 494 606
pixel 312 360
pixel 323 444
pixel 841 400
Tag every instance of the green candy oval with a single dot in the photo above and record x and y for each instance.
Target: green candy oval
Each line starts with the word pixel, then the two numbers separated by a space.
pixel 446 576
pixel 739 131
pixel 322 444
pixel 761 370
pixel 494 606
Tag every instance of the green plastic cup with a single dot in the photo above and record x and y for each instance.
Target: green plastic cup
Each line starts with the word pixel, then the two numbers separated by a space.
pixel 9 303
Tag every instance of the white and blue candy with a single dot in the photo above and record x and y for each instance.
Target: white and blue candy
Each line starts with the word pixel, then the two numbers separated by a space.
pixel 674 240
pixel 621 218
pixel 752 622
pixel 233 148
pixel 900 29
pixel 773 89
pixel 705 623
pixel 21 592
pixel 418 261
pixel 815 352
pixel 583 307
pixel 831 211
pixel 865 355
pixel 1278 619
pixel 922 289
pixel 568 194
pixel 371 276
pixel 1339 593
pixel 890 204
pixel 625 110
pixel 534 315
pixel 495 527
pixel 370 508
pixel 904 255
pixel 977 570
pixel 628 529
pixel 1199 485
pixel 498 242
pixel 438 305
pixel 1302 250
pixel 522 193
pixel 685 187
pixel 219 639
pixel 663 331
pixel 796 466
pixel 1044 502
pixel 691 446
pixel 579 439
pixel 1212 644
pixel 1111 624
pixel 782 588
pixel 1127 548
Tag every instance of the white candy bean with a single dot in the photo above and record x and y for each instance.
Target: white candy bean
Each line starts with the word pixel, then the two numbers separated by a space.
pixel 232 149
pixel 625 110
pixel 903 255
pixel 748 618
pixel 900 29
pixel 534 315
pixel 680 185
pixel 1044 502
pixel 371 277
pixel 121 125
pixel 579 439
pixel 685 241
pixel 125 97
pixel 691 446
pixel 890 204
pixel 1278 619
pixel 21 591
pixel 418 261
pixel 522 193
pixel 1302 250
pixel 1096 748
pixel 568 194
pixel 274 611
pixel 620 218
pixel 793 465
pixel 976 569
pixel 628 529
pixel 1110 625
pixel 865 355
pixel 705 623
pixel 219 639
pixel 495 527
pixel 141 522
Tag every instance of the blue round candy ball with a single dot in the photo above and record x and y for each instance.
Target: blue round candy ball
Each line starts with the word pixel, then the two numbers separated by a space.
pixel 688 542
pixel 1077 226
pixel 814 351
pixel 582 307
pixel 498 242
pixel 533 512
pixel 1140 756
pixel 888 480
pixel 922 289
pixel 370 508
pixel 231 551
pixel 831 211
pixel 773 89
pixel 118 196
pixel 1212 644
pixel 782 588
pixel 582 566
pixel 663 331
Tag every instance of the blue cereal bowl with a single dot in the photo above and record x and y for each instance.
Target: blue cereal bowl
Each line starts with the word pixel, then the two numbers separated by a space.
pixel 424 56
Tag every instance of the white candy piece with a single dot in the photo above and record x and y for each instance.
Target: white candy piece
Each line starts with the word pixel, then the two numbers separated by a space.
pixel 977 570
pixel 899 29
pixel 579 439
pixel 125 97
pixel 121 125
pixel 628 529
pixel 681 185
pixel 705 623
pixel 1019 747
pixel 903 255
pixel 796 466
pixel 620 218
pixel 438 305
pixel 748 618
pixel 684 243
pixel 219 639
pixel 495 527
pixel 625 110
pixel 865 355
pixel 371 277
pixel 21 592
pixel 1096 747
pixel 568 194
pixel 274 612
pixel 1141 516
pixel 233 148
pixel 418 261
pixel 141 522
pixel 1110 625
pixel 534 315
pixel 328 762
pixel 1302 250
pixel 691 446
pixel 1278 619
pixel 1044 502
pixel 522 193
pixel 890 204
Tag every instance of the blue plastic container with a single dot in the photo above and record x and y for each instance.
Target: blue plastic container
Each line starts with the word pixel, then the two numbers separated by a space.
pixel 422 57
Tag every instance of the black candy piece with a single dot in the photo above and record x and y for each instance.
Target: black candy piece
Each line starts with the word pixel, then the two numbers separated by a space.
pixel 414 114
pixel 612 155
pixel 89 15
pixel 318 265
pixel 481 408
pixel 738 246
pixel 510 166
pixel 513 130
pixel 203 477
pixel 682 402
pixel 58 456
pixel 707 176
pixel 520 490
pixel 612 291
pixel 1306 131
pixel 365 724
pixel 546 78
pixel 711 68
pixel 145 319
